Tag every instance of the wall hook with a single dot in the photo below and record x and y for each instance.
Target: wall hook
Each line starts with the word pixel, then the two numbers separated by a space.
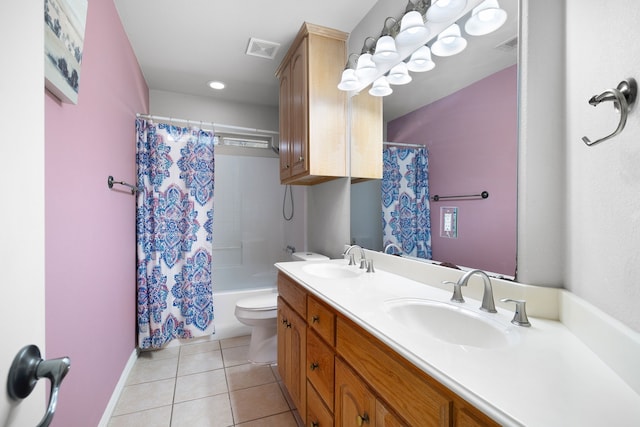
pixel 623 97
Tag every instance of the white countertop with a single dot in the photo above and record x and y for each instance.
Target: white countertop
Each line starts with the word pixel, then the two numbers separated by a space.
pixel 545 377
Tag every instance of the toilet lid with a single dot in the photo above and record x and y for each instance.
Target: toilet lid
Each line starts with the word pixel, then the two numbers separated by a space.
pixel 258 303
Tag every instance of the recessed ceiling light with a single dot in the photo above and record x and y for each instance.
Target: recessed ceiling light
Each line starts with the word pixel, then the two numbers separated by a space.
pixel 216 85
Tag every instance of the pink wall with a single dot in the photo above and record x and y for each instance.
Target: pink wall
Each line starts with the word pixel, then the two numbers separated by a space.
pixel 89 229
pixel 471 136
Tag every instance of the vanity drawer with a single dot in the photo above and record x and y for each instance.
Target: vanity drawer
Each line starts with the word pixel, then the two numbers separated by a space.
pixel 317 414
pixel 321 319
pixel 293 294
pixel 320 367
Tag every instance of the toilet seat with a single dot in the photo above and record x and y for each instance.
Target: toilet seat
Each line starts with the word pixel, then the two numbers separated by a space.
pixel 259 303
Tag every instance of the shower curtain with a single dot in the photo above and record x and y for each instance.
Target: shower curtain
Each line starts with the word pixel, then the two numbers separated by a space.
pixel 174 218
pixel 405 200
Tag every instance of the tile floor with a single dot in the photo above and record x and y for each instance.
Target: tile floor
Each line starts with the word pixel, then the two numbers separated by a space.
pixel 207 384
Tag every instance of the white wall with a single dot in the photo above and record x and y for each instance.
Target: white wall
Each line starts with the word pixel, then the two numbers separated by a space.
pixel 328 207
pixel 603 181
pixel 189 107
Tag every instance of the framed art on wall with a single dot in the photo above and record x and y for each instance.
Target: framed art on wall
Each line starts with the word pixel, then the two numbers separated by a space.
pixel 63 43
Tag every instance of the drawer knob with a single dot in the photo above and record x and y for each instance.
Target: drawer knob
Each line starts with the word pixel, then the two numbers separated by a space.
pixel 362 419
pixel 315 319
pixel 314 424
pixel 314 366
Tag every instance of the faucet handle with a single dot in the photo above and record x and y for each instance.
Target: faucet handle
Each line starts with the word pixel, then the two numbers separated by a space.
pixel 370 268
pixel 352 259
pixel 457 290
pixel 520 317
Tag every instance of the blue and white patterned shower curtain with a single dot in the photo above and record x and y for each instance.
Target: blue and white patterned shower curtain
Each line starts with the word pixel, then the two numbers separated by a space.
pixel 174 219
pixel 405 200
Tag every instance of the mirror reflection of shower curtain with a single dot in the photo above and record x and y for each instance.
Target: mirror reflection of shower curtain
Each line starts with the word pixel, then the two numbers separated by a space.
pixel 174 218
pixel 405 200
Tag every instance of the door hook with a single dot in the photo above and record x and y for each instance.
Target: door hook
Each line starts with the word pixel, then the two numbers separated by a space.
pixel 27 368
pixel 623 97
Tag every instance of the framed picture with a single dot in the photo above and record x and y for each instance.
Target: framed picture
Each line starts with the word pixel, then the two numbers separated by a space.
pixel 64 23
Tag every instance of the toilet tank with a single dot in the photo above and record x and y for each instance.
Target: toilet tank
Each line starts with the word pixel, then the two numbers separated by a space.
pixel 308 256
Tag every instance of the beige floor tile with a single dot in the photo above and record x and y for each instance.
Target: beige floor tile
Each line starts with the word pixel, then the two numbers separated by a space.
pixel 235 342
pixel 204 384
pixel 286 419
pixel 139 397
pixel 165 353
pixel 245 376
pixel 146 370
pixel 201 347
pixel 257 402
pixel 199 362
pixel 156 417
pixel 234 356
pixel 214 411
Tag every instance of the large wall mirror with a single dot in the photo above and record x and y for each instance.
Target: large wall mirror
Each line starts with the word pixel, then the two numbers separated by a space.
pixel 465 112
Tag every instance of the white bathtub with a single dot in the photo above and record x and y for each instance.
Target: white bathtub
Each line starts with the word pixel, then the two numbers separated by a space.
pixel 231 284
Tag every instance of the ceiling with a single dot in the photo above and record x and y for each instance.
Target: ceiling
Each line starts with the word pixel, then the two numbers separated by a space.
pixel 182 45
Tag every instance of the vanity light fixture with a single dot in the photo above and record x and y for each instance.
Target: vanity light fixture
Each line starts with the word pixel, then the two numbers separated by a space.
pixel 366 68
pixel 386 50
pixel 381 87
pixel 399 74
pixel 421 61
pixel 445 10
pixel 412 28
pixel 485 18
pixel 450 42
pixel 402 44
pixel 349 80
pixel 214 84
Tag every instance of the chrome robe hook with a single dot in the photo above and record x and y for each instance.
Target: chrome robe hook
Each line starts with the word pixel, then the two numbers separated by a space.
pixel 623 97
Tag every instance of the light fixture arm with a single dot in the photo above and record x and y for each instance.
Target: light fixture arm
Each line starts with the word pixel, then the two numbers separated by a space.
pixel 369 45
pixel 390 30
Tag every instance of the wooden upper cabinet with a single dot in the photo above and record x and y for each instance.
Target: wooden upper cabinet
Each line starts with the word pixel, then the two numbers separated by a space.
pixel 366 137
pixel 313 111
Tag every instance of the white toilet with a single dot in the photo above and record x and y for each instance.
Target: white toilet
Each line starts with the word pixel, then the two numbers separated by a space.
pixel 260 312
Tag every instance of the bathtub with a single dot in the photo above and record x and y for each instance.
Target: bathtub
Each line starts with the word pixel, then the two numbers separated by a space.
pixel 231 284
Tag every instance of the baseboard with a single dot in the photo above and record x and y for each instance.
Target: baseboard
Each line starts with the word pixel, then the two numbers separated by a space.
pixel 106 416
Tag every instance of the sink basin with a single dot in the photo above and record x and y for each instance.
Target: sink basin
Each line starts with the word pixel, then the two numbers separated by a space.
pixel 450 323
pixel 327 270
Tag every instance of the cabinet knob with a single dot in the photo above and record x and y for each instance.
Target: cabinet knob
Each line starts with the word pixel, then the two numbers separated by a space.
pixel 287 166
pixel 301 159
pixel 315 319
pixel 314 424
pixel 362 419
pixel 289 325
pixel 284 321
pixel 314 366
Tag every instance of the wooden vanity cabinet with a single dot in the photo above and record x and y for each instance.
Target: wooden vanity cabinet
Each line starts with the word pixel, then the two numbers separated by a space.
pixel 339 374
pixel 313 111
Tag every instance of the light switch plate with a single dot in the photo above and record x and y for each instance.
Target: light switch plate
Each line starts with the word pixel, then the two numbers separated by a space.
pixel 449 222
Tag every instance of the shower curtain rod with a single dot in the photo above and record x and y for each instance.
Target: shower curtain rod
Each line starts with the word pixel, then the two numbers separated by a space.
pixel 402 144
pixel 211 124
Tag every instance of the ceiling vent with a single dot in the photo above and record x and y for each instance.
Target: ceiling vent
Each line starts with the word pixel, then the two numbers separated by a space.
pixel 509 45
pixel 262 48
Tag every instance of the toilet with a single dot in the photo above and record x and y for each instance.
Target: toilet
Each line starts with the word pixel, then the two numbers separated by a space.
pixel 260 312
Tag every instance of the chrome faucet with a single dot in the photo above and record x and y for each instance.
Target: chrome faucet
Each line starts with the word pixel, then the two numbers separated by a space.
pixel 392 246
pixel 487 296
pixel 363 261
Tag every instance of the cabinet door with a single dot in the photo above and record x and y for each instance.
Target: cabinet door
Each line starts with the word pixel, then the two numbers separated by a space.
pixel 285 123
pixel 355 405
pixel 299 117
pixel 386 418
pixel 292 354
